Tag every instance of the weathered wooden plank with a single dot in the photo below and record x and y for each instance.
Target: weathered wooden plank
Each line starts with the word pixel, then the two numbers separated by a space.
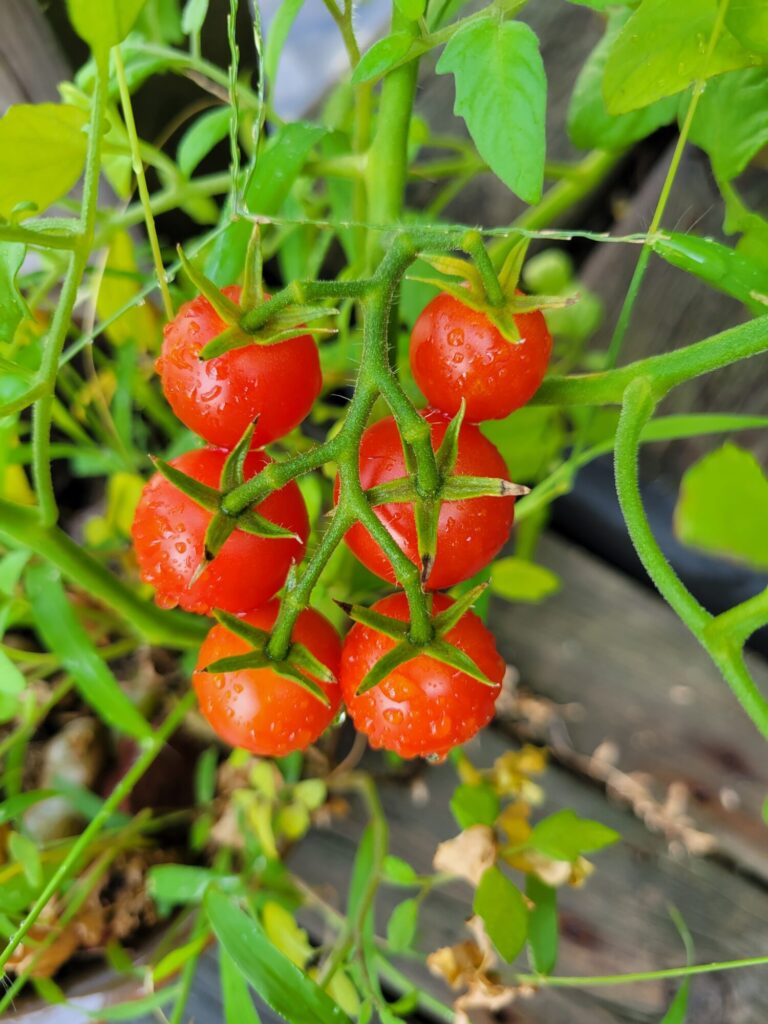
pixel 634 678
pixel 31 64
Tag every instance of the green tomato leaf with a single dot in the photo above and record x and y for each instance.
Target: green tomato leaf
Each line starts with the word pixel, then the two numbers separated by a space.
pixel 198 141
pixel 383 55
pixel 412 9
pixel 501 906
pixel 25 853
pixel 662 49
pixel 103 23
pixel 15 806
pixel 280 983
pixel 516 579
pixel 42 153
pixel 543 928
pixel 62 632
pixel 193 16
pixel 529 440
pixel 589 123
pixel 501 92
pixel 678 1008
pixel 731 120
pixel 748 20
pixel 565 836
pixel 181 884
pixel 474 805
pixel 237 1002
pixel 722 507
pixel 399 871
pixel 13 308
pixel 402 924
pixel 279 28
pixel 278 167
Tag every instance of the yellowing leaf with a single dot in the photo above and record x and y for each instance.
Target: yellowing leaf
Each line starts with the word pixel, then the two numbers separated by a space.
pixel 42 153
pixel 280 925
pixel 516 579
pixel 119 285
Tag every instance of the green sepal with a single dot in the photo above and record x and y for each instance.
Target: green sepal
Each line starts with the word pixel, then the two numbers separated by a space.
pixel 448 452
pixel 518 304
pixel 239 662
pixel 442 651
pixel 287 323
pixel 232 475
pixel 220 528
pixel 458 488
pixel 444 621
pixel 395 629
pixel 287 671
pixel 203 495
pixel 512 267
pixel 454 266
pixel 426 514
pixel 399 655
pixel 301 658
pixel 228 310
pixel 253 280
pixel 251 522
pixel 257 638
pixel 395 491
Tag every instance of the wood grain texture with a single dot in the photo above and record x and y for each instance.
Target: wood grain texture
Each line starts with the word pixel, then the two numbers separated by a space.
pixel 31 64
pixel 641 682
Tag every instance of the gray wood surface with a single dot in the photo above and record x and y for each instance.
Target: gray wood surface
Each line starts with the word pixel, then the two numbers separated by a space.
pixel 31 63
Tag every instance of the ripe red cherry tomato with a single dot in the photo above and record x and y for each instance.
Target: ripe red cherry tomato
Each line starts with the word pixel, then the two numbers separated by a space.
pixel 169 539
pixel 256 708
pixel 470 532
pixel 423 707
pixel 218 398
pixel 456 352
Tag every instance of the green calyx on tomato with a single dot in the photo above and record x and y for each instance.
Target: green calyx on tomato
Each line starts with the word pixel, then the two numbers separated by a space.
pixel 406 650
pixel 496 296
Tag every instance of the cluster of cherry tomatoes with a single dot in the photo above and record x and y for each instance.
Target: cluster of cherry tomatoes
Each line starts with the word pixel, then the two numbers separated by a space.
pixel 422 707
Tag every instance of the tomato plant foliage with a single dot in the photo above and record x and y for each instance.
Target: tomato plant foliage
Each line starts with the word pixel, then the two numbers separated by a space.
pixel 216 343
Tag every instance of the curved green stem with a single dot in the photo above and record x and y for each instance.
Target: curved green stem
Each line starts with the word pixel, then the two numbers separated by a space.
pixel 739 623
pixel 600 981
pixel 639 404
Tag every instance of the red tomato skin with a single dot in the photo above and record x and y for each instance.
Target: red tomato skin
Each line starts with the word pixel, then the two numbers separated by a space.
pixel 470 532
pixel 424 707
pixel 456 352
pixel 256 708
pixel 169 534
pixel 219 398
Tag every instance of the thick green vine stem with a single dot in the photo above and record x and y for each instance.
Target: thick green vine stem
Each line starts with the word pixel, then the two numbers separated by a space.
pixel 724 646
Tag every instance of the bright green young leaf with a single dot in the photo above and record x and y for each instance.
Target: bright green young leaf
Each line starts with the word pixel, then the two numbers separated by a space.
pixel 731 120
pixel 501 906
pixel 383 55
pixel 12 682
pixel 200 138
pixel 412 9
pixel 64 635
pixel 399 871
pixel 501 92
pixel 474 805
pixel 678 1008
pixel 42 153
pixel 235 996
pixel 15 806
pixel 103 23
pixel 277 34
pixel 402 924
pixel 282 986
pixel 589 123
pixel 748 20
pixel 543 928
pixel 278 167
pixel 193 16
pixel 722 507
pixel 599 5
pixel 516 579
pixel 25 853
pixel 662 50
pixel 180 884
pixel 13 308
pixel 565 836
